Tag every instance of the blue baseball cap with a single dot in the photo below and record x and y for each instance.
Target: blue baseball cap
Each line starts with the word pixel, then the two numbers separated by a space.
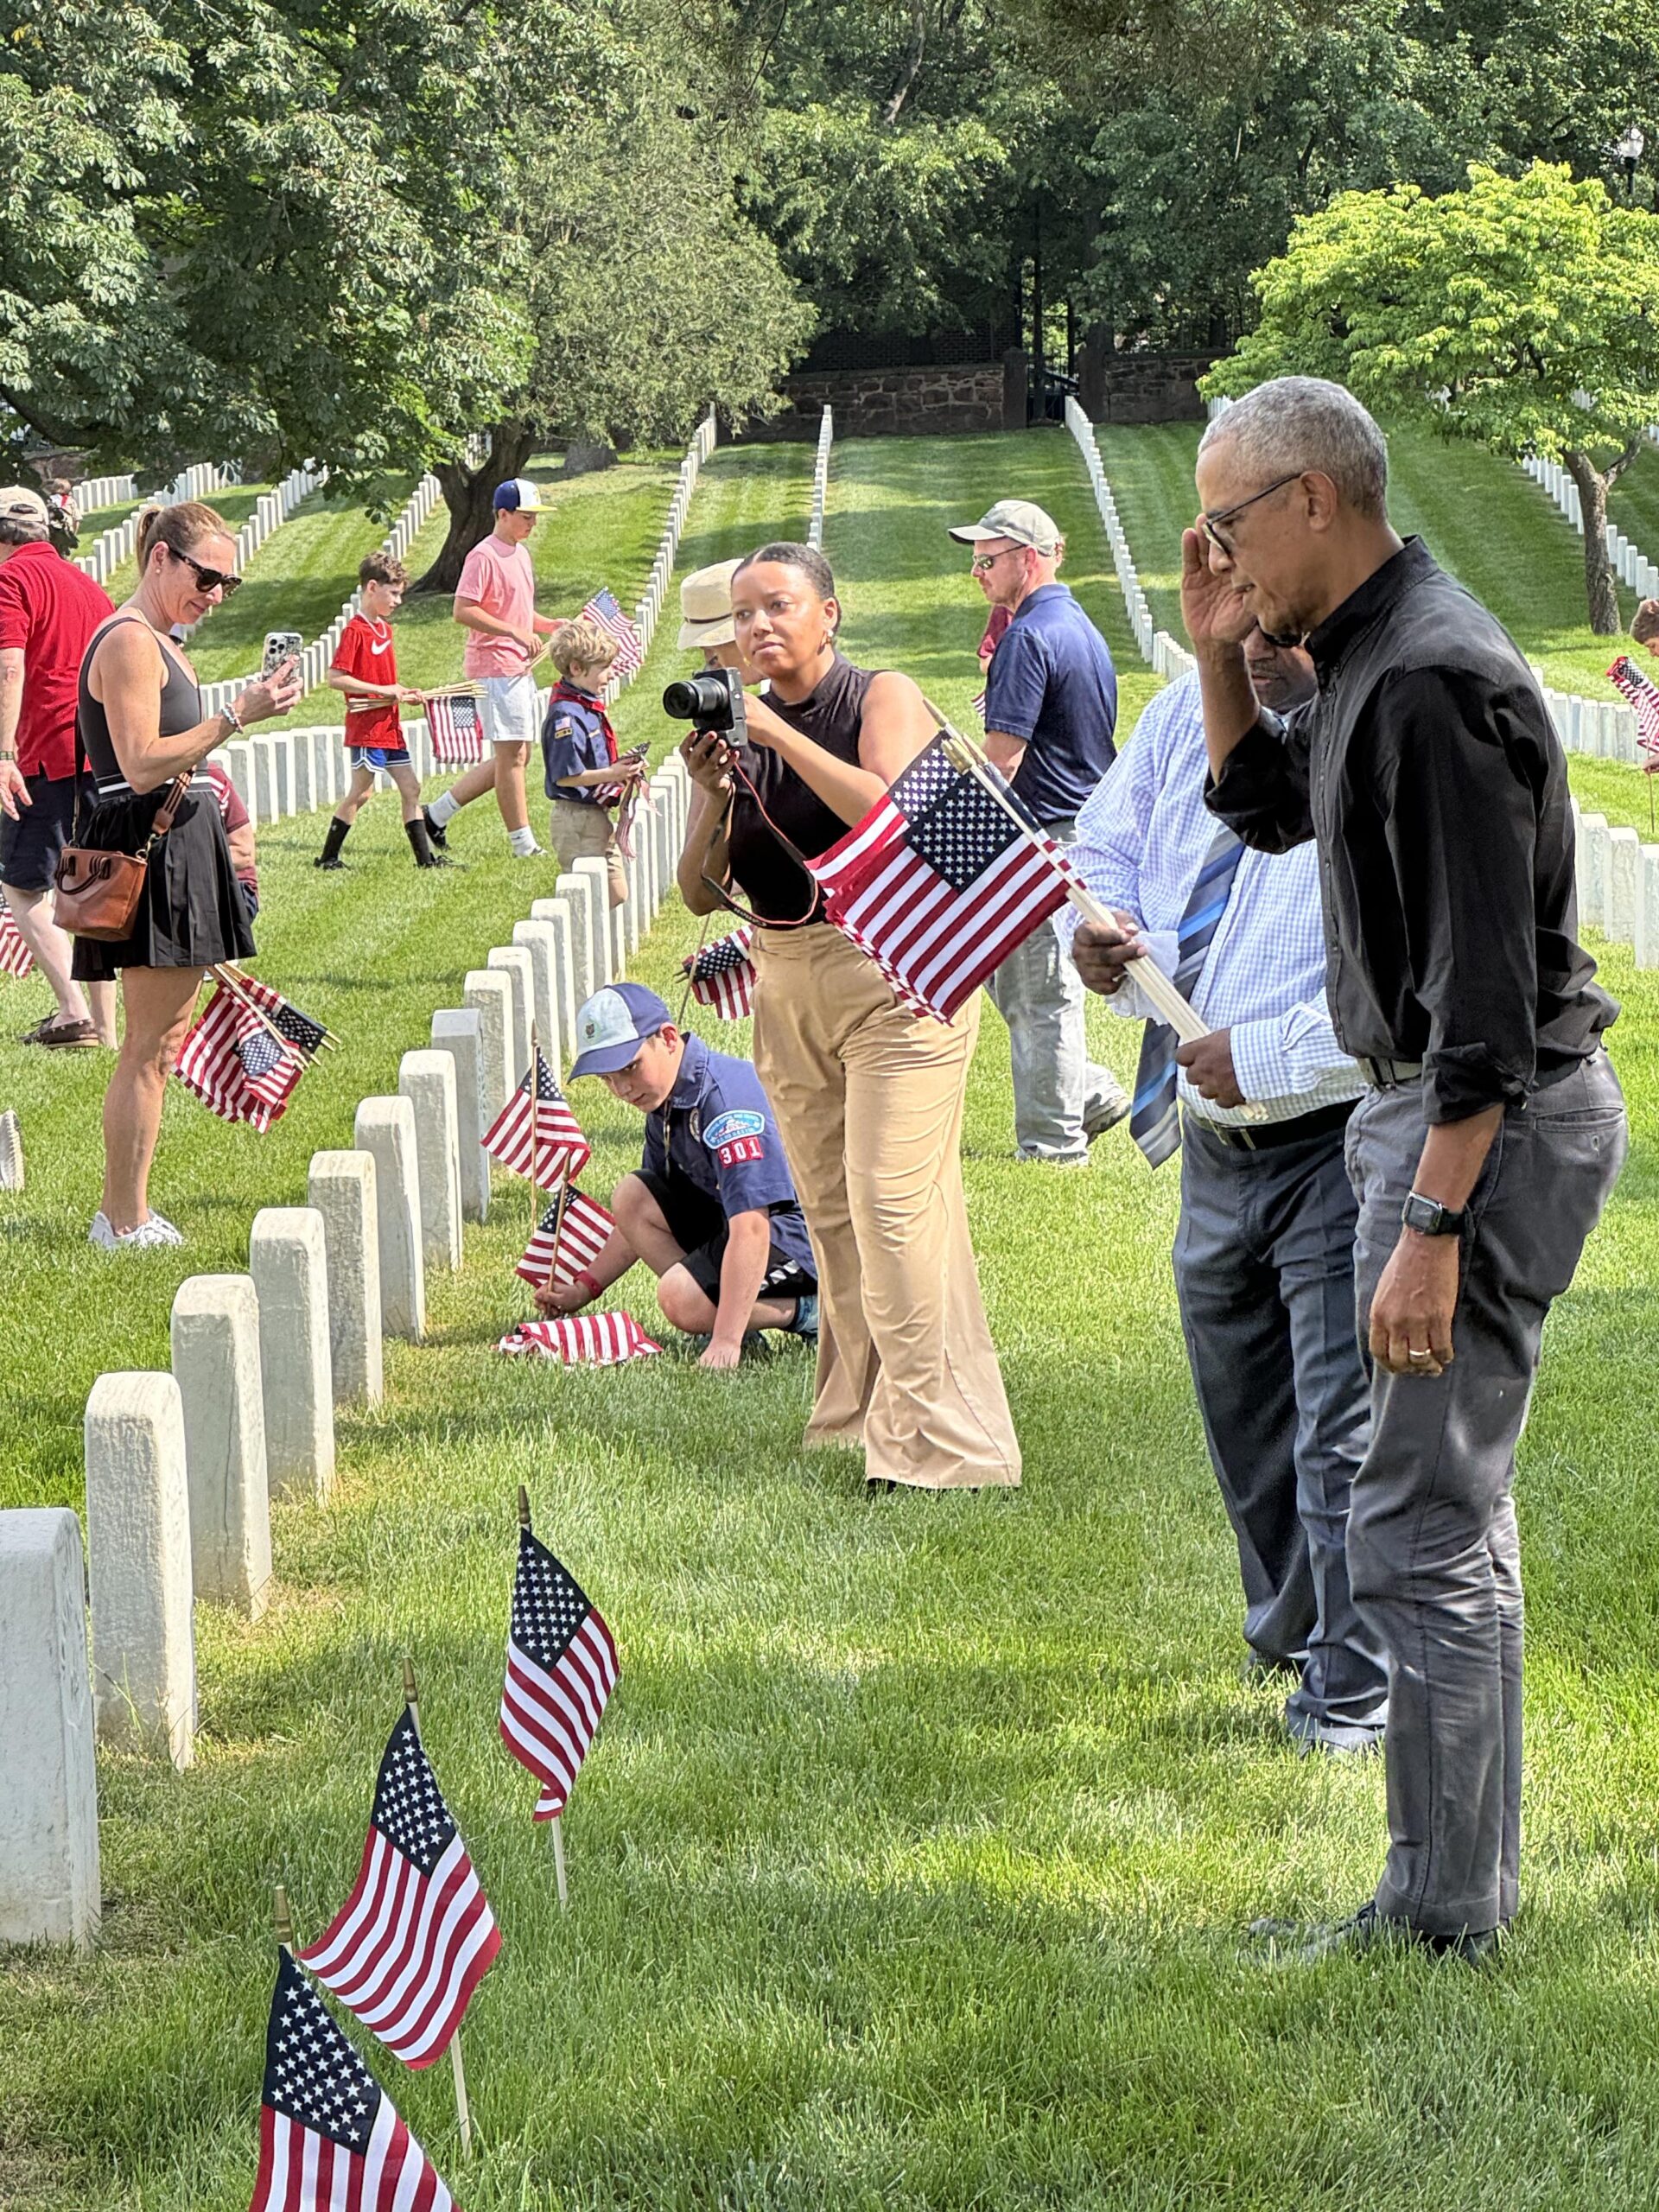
pixel 518 496
pixel 611 1025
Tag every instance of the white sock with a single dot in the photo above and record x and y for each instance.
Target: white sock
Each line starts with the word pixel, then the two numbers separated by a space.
pixel 523 842
pixel 444 808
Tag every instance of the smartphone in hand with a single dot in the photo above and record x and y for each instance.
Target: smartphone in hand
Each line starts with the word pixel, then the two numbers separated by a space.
pixel 281 646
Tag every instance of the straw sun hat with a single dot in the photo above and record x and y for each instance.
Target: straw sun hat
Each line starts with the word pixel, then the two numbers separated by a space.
pixel 706 607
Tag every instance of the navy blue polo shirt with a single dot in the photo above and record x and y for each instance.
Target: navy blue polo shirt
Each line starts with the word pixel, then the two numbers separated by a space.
pixel 718 1130
pixel 1053 684
pixel 575 736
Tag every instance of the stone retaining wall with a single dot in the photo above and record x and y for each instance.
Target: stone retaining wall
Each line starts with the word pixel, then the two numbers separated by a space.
pixel 891 402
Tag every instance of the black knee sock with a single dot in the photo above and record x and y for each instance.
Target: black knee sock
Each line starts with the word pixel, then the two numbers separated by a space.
pixel 339 831
pixel 415 832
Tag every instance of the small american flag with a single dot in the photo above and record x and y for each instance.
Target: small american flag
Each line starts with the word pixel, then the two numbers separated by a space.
pixel 1629 680
pixel 457 730
pixel 416 1936
pixel 329 2140
pixel 581 1340
pixel 979 706
pixel 562 1667
pixel 603 609
pixel 16 958
pixel 722 975
pixel 233 1064
pixel 938 884
pixel 580 1237
pixel 543 1139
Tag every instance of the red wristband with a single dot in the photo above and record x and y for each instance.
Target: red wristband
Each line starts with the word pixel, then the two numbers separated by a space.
pixel 595 1290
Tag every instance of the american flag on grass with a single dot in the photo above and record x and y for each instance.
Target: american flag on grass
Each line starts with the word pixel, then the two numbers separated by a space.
pixel 581 1340
pixel 939 884
pixel 581 1236
pixel 604 609
pixel 536 1132
pixel 722 975
pixel 562 1667
pixel 1627 679
pixel 16 958
pixel 416 1936
pixel 456 729
pixel 329 2140
pixel 234 1064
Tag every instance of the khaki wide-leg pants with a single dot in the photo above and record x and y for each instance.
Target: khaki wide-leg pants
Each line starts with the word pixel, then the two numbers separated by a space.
pixel 869 1103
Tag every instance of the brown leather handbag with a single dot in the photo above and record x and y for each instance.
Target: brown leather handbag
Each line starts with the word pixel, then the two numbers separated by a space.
pixel 99 892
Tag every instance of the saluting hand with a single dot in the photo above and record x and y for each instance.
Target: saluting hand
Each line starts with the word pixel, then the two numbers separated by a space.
pixel 1215 613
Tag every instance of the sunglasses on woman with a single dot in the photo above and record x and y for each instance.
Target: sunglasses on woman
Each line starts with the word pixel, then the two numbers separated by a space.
pixel 209 579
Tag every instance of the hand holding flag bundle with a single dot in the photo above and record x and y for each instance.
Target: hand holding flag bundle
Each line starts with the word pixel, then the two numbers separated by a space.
pixel 723 975
pixel 16 958
pixel 246 1054
pixel 568 1237
pixel 581 1340
pixel 535 1134
pixel 562 1667
pixel 455 726
pixel 416 1936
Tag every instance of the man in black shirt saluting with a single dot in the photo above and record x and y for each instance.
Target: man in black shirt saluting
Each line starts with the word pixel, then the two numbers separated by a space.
pixel 1428 773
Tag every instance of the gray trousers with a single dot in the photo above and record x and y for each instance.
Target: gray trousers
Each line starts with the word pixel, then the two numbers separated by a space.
pixel 1432 1548
pixel 1264 1272
pixel 1061 1097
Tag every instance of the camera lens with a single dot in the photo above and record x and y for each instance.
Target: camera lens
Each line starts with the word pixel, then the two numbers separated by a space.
pixel 695 696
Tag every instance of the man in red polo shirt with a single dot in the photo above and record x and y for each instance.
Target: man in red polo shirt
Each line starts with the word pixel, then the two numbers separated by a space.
pixel 49 610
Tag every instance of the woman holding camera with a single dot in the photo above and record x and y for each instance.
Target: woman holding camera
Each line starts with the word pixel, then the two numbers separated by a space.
pixel 141 726
pixel 869 1098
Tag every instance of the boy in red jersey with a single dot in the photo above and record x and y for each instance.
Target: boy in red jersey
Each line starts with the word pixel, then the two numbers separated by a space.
pixel 366 669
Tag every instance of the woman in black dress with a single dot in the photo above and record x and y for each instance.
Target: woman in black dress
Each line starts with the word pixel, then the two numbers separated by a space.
pixel 141 726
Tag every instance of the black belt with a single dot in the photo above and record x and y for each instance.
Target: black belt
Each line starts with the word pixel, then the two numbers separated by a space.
pixel 1262 1136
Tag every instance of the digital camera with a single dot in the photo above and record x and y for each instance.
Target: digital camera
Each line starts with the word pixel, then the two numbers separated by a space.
pixel 711 701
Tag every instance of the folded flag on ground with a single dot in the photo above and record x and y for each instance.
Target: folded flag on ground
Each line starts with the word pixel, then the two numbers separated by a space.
pixel 581 1340
pixel 16 958
pixel 456 729
pixel 722 975
pixel 940 883
pixel 1627 679
pixel 328 2136
pixel 535 1134
pixel 604 609
pixel 562 1667
pixel 245 1056
pixel 566 1239
pixel 416 1936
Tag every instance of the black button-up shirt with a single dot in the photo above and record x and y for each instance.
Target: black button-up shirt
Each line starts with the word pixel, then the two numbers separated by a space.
pixel 1429 773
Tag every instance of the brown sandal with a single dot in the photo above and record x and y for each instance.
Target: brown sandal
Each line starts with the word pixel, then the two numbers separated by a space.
pixel 65 1036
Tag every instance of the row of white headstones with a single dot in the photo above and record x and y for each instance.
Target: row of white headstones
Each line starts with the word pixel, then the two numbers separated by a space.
pixel 181 1466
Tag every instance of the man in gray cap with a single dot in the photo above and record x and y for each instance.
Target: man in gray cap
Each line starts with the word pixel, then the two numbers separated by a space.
pixel 1051 707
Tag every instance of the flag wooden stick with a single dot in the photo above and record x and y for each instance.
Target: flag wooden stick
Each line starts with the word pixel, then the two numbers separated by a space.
pixel 463 2110
pixel 535 1130
pixel 523 1507
pixel 282 1920
pixel 558 1228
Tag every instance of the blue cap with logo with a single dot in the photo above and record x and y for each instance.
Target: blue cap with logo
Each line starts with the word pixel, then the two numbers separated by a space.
pixel 518 496
pixel 611 1025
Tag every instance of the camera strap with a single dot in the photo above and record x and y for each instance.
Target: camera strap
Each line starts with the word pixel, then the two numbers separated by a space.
pixel 722 826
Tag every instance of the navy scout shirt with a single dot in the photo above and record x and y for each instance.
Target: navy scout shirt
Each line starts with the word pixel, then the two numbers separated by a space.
pixel 718 1130
pixel 577 735
pixel 1051 683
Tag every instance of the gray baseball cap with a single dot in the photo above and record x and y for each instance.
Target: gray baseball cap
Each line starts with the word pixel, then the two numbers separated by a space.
pixel 1021 521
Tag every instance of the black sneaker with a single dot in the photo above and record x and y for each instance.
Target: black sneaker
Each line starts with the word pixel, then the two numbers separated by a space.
pixel 440 837
pixel 323 860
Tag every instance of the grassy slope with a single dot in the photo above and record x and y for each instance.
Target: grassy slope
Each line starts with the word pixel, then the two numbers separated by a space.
pixel 910 1867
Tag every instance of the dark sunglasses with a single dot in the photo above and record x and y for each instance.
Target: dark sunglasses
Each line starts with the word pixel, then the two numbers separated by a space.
pixel 1211 521
pixel 209 579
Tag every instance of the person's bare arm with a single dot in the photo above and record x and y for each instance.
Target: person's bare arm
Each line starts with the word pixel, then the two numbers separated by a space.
pixel 708 756
pixel 127 673
pixel 1417 1297
pixel 610 1265
pixel 358 687
pixel 242 854
pixel 1004 752
pixel 14 785
pixel 742 1271
pixel 472 616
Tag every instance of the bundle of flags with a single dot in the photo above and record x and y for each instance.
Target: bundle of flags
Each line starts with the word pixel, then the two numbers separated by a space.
pixel 944 877
pixel 722 975
pixel 581 1340
pixel 569 1236
pixel 562 1667
pixel 604 609
pixel 1629 680
pixel 16 958
pixel 456 727
pixel 246 1053
pixel 535 1134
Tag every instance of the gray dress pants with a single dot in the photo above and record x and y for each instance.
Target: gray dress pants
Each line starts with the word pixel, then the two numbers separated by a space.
pixel 1264 1272
pixel 1431 1549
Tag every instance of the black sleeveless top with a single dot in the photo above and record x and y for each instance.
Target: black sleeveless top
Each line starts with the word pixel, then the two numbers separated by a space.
pixel 180 709
pixel 775 886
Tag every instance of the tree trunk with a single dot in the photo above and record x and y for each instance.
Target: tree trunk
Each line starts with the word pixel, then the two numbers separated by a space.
pixel 1600 588
pixel 468 494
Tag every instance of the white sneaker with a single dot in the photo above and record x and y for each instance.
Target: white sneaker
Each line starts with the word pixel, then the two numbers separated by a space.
pixel 147 1236
pixel 164 1232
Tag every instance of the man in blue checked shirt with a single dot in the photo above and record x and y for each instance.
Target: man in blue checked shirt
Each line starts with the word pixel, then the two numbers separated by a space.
pixel 1264 1252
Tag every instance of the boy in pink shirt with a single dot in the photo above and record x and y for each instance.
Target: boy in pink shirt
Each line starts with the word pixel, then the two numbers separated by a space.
pixel 495 602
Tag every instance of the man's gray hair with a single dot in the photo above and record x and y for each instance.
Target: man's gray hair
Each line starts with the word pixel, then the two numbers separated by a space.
pixel 1295 423
pixel 23 530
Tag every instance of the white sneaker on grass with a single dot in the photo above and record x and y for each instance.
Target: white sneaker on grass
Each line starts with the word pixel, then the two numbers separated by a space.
pixel 148 1235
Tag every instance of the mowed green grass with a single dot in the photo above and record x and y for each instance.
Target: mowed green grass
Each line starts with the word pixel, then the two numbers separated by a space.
pixel 911 1865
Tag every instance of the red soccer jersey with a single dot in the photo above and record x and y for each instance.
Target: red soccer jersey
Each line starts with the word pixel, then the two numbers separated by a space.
pixel 48 609
pixel 365 651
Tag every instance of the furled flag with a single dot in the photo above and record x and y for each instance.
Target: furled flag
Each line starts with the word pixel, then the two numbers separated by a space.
pixel 416 1936
pixel 542 1137
pixel 581 1340
pixel 1629 680
pixel 979 706
pixel 562 1667
pixel 235 1065
pixel 16 958
pixel 579 1239
pixel 722 975
pixel 328 2136
pixel 603 609
pixel 457 730
pixel 939 883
